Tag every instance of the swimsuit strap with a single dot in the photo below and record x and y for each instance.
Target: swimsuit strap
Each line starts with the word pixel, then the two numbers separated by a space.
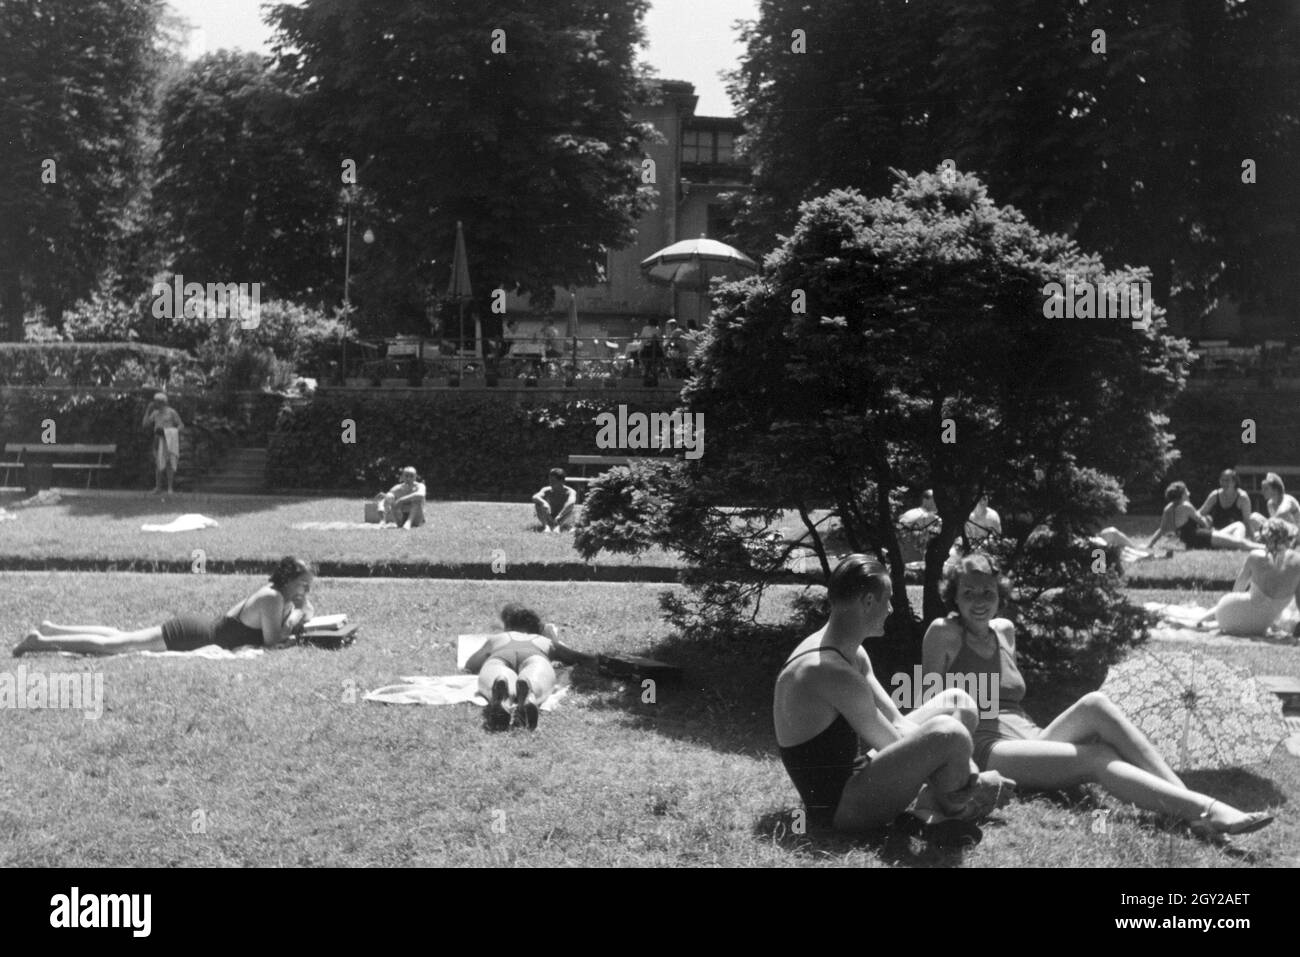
pixel 812 651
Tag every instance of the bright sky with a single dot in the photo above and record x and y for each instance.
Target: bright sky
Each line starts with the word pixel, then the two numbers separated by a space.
pixel 690 40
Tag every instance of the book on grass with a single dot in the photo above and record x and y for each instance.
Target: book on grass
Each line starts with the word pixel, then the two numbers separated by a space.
pixel 325 623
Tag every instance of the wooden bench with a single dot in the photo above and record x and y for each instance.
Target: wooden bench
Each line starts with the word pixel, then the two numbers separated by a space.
pixel 90 458
pixel 602 462
pixel 1252 475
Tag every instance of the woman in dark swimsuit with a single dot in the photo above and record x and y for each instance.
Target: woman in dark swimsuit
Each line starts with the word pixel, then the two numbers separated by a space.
pixel 514 668
pixel 1182 519
pixel 827 698
pixel 1228 506
pixel 265 618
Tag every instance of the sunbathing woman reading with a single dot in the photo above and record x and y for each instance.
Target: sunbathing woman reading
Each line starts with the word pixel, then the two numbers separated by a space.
pixel 514 668
pixel 1266 585
pixel 265 618
pixel 1091 741
pixel 827 698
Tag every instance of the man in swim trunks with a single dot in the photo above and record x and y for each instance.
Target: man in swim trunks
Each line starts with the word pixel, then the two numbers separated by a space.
pixel 556 504
pixel 827 698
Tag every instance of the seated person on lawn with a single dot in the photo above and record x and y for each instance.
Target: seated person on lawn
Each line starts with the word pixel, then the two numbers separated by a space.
pixel 514 668
pixel 556 504
pixel 827 701
pixel 403 504
pixel 265 618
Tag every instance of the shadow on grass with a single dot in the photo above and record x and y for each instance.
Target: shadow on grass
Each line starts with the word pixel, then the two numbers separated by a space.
pixel 898 844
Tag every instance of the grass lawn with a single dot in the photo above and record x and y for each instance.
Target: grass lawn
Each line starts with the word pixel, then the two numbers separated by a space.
pixel 288 766
pixel 262 529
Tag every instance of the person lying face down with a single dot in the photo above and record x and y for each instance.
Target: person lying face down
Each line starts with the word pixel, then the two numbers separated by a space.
pixel 265 618
pixel 1091 741
pixel 827 699
pixel 514 668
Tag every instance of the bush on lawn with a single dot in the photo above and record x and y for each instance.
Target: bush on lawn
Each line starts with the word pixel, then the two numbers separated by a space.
pixel 463 445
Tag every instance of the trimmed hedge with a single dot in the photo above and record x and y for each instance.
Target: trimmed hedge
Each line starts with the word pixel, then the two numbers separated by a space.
pixel 463 444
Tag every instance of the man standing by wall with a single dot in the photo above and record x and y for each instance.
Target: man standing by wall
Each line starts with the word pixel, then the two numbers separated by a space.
pixel 165 424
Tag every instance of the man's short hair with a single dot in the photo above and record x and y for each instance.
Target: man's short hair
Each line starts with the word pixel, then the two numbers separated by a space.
pixel 556 474
pixel 410 469
pixel 856 576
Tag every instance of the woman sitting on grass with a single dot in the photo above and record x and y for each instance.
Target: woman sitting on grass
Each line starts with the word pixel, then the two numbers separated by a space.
pixel 1091 741
pixel 1192 528
pixel 514 668
pixel 265 618
pixel 1266 585
pixel 1277 501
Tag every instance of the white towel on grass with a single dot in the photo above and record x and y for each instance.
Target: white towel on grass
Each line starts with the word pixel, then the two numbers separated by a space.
pixel 185 523
pixel 446 689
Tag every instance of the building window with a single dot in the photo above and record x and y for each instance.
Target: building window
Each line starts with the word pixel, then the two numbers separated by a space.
pixel 708 146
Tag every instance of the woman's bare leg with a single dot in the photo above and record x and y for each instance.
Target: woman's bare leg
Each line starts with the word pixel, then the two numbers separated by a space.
pixel 1095 717
pixel 540 675
pixel 1056 764
pixel 954 703
pixel 494 670
pixel 1232 536
pixel 50 628
pixel 1113 536
pixel 146 639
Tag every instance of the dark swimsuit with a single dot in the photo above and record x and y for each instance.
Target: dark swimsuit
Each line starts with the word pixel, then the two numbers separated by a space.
pixel 821 766
pixel 1222 517
pixel 187 632
pixel 1193 535
pixel 517 651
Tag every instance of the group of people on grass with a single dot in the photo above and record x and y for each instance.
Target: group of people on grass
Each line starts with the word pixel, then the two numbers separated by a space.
pixel 947 759
pixel 555 504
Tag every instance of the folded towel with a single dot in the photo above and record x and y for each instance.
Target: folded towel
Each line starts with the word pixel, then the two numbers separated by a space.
pixel 185 523
pixel 446 689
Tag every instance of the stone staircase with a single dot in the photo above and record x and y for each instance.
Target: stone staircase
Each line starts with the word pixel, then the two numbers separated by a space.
pixel 240 472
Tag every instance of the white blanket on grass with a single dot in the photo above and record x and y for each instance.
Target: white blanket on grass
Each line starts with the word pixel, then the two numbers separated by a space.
pixel 1178 623
pixel 185 523
pixel 452 689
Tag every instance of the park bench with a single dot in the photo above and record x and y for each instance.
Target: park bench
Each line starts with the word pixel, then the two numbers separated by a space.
pixel 88 458
pixel 1252 475
pixel 603 463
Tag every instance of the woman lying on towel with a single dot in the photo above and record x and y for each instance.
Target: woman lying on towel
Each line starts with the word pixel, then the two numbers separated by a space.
pixel 1266 585
pixel 514 668
pixel 265 618
pixel 1091 741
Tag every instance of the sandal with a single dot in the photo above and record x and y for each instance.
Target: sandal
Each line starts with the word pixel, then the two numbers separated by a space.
pixel 1203 827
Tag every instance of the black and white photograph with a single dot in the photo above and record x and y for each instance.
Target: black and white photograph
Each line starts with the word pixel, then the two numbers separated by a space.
pixel 650 434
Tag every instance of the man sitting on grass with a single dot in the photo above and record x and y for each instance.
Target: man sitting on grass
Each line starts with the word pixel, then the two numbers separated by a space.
pixel 828 701
pixel 403 504
pixel 556 504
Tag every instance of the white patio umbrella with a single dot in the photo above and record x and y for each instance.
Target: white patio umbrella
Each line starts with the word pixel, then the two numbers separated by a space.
pixel 693 264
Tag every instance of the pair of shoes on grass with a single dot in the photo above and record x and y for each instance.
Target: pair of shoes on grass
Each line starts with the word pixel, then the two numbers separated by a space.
pixel 526 713
pixel 499 717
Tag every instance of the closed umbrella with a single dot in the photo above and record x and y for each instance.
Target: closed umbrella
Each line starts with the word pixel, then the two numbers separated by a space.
pixel 1198 708
pixel 459 288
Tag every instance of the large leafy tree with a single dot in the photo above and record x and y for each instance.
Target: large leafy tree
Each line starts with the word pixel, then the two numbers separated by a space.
pixel 894 344
pixel 532 146
pixel 236 200
pixel 76 81
pixel 1136 151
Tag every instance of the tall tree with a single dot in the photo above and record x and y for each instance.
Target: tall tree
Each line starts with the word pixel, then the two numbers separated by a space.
pixel 1124 123
pixel 75 86
pixel 236 199
pixel 511 116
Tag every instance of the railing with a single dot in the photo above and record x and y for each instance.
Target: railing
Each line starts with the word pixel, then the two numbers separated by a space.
pixel 572 361
pixel 1271 360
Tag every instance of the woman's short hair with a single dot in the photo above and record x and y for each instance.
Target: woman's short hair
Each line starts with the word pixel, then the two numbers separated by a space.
pixel 518 618
pixel 1277 533
pixel 1176 492
pixel 287 570
pixel 1273 480
pixel 977 563
pixel 858 575
pixel 1230 474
